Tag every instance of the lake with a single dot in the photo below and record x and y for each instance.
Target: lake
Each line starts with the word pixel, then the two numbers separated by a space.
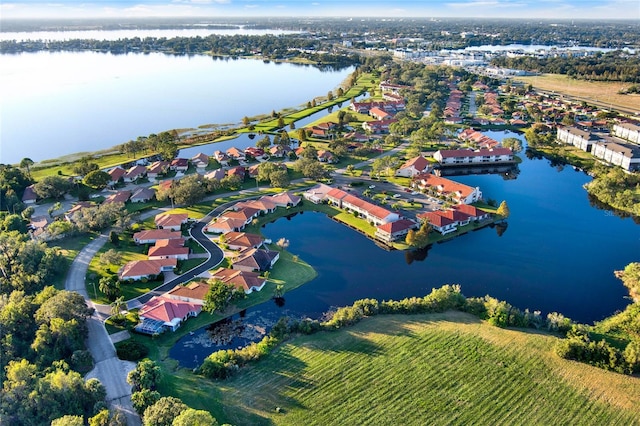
pixel 558 253
pixel 54 104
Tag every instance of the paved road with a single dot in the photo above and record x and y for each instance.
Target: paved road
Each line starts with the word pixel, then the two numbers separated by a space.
pixel 111 371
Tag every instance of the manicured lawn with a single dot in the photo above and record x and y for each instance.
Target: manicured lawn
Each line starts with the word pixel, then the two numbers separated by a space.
pixel 415 370
pixel 69 248
pixel 186 265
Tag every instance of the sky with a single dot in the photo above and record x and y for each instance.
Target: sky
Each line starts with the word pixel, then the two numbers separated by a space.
pixel 543 9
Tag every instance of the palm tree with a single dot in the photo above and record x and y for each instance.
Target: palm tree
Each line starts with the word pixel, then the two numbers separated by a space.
pixel 117 306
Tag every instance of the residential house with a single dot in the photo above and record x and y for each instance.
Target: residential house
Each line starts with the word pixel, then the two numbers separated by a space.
pixel 116 174
pixel 472 211
pixel 200 160
pixel 438 222
pixel 379 114
pixel 166 185
pixel 325 156
pixel 265 205
pixel 134 173
pixel 68 216
pixel 236 154
pixel 217 174
pixel 286 199
pixel 193 292
pixel 356 137
pixel 172 221
pixel 279 151
pixel 222 225
pixel 253 171
pixel 317 132
pixel 246 281
pixel 242 240
pixel 143 195
pixel 257 153
pixel 179 164
pixel 414 166
pixel 139 269
pixel 246 214
pixel 118 197
pixel 157 169
pixel 38 225
pixel 378 126
pixel 465 157
pixel 458 217
pixel 366 210
pixel 317 194
pixel 29 196
pixel 256 260
pixel 239 171
pixel 168 312
pixel 169 249
pixel 458 192
pixel 392 231
pixel 222 158
pixel 150 236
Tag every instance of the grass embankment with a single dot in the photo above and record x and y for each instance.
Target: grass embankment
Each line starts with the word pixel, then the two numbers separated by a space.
pixel 426 369
pixel 601 92
pixel 69 248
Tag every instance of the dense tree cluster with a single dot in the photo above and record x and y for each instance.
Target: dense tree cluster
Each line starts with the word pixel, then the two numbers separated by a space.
pixel 616 188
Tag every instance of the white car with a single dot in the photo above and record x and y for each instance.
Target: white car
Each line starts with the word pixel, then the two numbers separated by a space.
pixel 371 186
pixel 415 193
pixel 397 195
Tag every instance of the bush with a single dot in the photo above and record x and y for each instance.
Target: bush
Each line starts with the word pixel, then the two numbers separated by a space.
pixel 131 350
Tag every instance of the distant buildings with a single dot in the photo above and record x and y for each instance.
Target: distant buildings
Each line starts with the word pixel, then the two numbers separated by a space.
pixel 469 157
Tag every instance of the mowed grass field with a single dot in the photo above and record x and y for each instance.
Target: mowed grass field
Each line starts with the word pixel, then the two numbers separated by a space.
pixel 430 369
pixel 604 92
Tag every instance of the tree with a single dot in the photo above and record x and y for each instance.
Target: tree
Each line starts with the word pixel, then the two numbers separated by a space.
pixel 117 306
pixel 514 143
pixel 163 412
pixel 114 239
pixel 144 398
pixel 410 239
pixel 191 417
pixel 231 182
pixel 110 287
pixel 53 208
pixel 245 120
pixel 310 152
pixel 146 375
pixel 310 168
pixel 14 222
pixel 188 191
pixel 28 212
pixel 281 122
pixel 264 143
pixel 52 187
pixel 330 95
pixel 279 178
pixel 97 179
pixel 168 150
pixel 83 167
pixel 68 421
pixel 26 163
pixel 503 210
pixel 630 277
pixel 218 296
pixel 110 257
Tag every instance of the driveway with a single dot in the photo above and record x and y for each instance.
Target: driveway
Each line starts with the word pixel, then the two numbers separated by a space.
pixel 111 371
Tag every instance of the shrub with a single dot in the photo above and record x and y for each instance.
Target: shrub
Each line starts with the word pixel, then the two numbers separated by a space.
pixel 131 350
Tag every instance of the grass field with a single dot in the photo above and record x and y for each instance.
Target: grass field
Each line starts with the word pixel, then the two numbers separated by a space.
pixel 605 93
pixel 415 370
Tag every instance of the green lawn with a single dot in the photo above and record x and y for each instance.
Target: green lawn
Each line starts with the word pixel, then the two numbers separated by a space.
pixel 69 248
pixel 415 370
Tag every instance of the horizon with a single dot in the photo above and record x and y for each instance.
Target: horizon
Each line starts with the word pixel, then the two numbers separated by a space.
pixel 468 9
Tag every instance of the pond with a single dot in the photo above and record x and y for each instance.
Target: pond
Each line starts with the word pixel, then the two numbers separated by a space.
pixel 558 253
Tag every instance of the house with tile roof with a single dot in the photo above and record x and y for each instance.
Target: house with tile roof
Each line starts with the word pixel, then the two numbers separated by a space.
pixel 179 164
pixel 239 171
pixel 193 292
pixel 246 281
pixel 392 231
pixel 458 192
pixel 246 214
pixel 255 260
pixel 370 212
pixel 222 225
pixel 29 196
pixel 80 205
pixel 143 195
pixel 150 236
pixel 116 174
pixel 172 221
pixel 200 160
pixel 472 211
pixel 222 158
pixel 242 240
pixel 265 205
pixel 414 166
pixel 169 249
pixel 139 269
pixel 134 173
pixel 170 312
pixel 217 174
pixel 286 199
pixel 236 154
pixel 157 169
pixel 438 222
pixel 118 197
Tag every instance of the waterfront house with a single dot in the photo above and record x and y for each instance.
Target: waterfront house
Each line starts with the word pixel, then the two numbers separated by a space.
pixel 474 212
pixel 438 222
pixel 143 195
pixel 264 205
pixel 246 281
pixel 172 221
pixel 222 225
pixel 279 151
pixel 628 131
pixel 317 194
pixel 167 312
pixel 150 236
pixel 625 155
pixel 579 138
pixel 193 292
pixel 462 157
pixel 242 240
pixel 413 167
pixel 393 231
pixel 179 164
pixel 200 160
pixel 157 169
pixel 169 249
pixel 236 154
pixel 370 212
pixel 245 214
pixel 255 260
pixel 286 199
pixel 139 269
pixel 222 158
pixel 458 192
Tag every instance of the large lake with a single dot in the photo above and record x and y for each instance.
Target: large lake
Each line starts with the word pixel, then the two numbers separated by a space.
pixel 61 103
pixel 558 253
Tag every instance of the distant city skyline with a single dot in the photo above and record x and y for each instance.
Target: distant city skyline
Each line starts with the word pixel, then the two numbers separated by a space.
pixel 533 9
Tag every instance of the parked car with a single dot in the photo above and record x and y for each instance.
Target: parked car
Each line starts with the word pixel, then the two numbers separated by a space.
pixel 371 186
pixel 397 195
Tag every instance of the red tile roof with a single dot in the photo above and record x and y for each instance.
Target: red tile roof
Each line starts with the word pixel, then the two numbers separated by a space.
pixel 139 268
pixel 193 290
pixel 435 219
pixel 397 226
pixel 156 234
pixel 166 309
pixel 170 219
pixel 419 163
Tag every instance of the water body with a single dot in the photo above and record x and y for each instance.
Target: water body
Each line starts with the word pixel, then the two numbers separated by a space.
pixel 122 34
pixel 530 48
pixel 61 103
pixel 558 253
